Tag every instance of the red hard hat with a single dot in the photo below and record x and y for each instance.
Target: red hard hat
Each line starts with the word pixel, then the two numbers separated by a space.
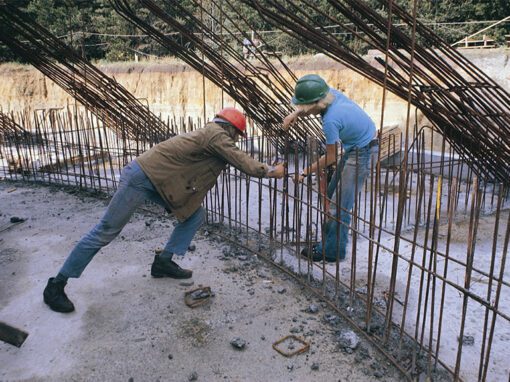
pixel 235 117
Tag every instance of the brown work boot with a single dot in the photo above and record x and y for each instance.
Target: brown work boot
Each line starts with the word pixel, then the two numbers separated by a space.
pixel 163 267
pixel 56 298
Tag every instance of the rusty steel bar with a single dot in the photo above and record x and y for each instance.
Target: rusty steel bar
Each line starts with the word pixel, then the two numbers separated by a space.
pixel 82 80
pixel 471 111
pixel 75 163
pixel 417 252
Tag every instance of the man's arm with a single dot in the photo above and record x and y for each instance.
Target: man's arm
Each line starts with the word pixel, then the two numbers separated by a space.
pixel 289 120
pixel 225 147
pixel 324 161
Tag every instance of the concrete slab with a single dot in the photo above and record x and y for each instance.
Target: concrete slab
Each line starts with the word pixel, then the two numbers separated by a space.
pixel 130 327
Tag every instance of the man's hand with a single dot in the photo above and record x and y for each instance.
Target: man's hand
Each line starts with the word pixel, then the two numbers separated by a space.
pixel 299 178
pixel 289 120
pixel 277 171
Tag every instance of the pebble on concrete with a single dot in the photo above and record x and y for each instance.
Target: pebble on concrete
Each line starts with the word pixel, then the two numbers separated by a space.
pixel 348 340
pixel 238 343
pixel 332 319
pixel 312 308
pixel 468 340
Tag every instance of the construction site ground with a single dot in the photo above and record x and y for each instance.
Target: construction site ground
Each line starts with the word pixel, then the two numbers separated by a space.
pixel 129 326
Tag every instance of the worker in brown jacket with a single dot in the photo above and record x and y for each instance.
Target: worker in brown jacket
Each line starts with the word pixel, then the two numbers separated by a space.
pixel 176 174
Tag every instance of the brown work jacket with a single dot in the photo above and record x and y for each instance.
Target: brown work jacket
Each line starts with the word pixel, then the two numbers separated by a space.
pixel 185 167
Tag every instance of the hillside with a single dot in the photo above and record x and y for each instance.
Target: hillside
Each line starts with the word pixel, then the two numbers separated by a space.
pixel 172 88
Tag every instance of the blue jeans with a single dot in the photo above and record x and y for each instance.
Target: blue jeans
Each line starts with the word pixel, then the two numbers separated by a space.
pixel 134 188
pixel 351 172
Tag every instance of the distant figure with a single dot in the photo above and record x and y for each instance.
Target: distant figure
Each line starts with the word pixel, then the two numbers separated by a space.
pixel 342 120
pixel 177 174
pixel 246 48
pixel 249 47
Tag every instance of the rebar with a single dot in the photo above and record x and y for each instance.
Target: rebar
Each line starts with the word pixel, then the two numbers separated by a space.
pixel 405 285
pixel 106 98
pixel 462 102
pixel 416 333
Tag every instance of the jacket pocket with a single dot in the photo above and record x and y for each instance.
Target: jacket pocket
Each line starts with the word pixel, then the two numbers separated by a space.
pixel 196 180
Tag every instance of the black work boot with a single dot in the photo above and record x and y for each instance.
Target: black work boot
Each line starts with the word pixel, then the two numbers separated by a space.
pixel 163 267
pixel 316 255
pixel 56 298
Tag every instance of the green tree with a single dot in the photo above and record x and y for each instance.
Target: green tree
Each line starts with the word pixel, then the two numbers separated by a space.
pixel 97 31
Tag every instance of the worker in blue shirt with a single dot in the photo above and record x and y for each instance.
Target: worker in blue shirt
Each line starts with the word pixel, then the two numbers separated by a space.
pixel 342 121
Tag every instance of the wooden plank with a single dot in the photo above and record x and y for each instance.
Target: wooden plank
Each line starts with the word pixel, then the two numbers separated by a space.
pixel 11 335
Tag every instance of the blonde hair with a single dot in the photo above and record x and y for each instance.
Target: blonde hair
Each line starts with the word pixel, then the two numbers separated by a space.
pixel 322 104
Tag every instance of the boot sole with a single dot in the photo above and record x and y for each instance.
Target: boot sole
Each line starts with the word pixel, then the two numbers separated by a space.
pixel 161 275
pixel 56 309
pixel 319 260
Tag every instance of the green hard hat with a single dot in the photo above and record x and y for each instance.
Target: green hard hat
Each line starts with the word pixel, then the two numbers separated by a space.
pixel 309 89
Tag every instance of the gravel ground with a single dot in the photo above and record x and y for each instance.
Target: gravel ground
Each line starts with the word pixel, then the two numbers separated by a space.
pixel 130 327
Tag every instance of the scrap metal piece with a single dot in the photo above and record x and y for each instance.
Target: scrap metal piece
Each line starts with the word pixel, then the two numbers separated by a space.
pixel 303 349
pixel 11 335
pixel 198 296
